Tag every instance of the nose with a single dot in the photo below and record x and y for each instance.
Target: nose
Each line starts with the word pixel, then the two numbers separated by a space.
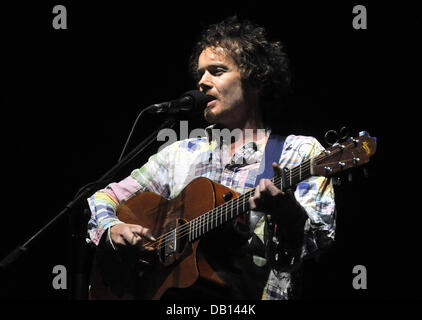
pixel 205 83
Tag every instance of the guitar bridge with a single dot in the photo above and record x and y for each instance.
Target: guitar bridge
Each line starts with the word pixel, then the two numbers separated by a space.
pixel 169 247
pixel 174 242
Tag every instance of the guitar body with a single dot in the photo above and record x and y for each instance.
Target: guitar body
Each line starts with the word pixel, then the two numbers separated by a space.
pixel 114 278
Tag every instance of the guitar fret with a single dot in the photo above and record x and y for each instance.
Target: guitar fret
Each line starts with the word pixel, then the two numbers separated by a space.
pixel 243 204
pixel 216 218
pixel 206 222
pixel 219 217
pixel 191 228
pixel 300 172
pixel 290 174
pixel 197 227
pixel 201 225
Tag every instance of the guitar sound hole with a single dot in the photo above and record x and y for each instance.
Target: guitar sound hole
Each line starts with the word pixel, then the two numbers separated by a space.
pixel 182 235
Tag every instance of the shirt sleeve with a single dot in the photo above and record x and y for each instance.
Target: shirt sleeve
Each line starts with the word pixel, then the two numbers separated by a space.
pixel 316 196
pixel 152 177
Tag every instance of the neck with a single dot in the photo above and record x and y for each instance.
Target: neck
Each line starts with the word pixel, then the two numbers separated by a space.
pixel 252 119
pixel 248 128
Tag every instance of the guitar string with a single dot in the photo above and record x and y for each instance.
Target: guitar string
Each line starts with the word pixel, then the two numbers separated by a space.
pixel 198 224
pixel 211 222
pixel 204 223
pixel 290 175
pixel 186 228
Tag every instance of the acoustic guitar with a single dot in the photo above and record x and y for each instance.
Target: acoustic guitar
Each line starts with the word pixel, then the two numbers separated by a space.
pixel 180 224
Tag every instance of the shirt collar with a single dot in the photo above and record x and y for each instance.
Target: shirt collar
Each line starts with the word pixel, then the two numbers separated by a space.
pixel 249 153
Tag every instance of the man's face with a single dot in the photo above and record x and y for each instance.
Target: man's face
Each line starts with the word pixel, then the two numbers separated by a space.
pixel 220 77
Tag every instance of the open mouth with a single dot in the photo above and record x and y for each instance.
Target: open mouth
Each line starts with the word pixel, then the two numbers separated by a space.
pixel 212 102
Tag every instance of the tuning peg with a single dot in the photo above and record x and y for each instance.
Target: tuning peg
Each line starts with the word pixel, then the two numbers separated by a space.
pixel 355 141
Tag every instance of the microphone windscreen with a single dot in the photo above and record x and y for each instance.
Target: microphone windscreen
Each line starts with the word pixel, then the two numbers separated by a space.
pixel 200 99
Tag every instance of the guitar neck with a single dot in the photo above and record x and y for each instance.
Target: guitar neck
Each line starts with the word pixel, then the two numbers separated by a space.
pixel 235 207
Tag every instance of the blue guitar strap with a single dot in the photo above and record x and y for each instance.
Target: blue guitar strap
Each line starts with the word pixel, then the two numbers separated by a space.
pixel 273 151
pixel 272 154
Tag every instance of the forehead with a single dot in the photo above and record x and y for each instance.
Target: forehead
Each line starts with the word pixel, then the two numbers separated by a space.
pixel 214 56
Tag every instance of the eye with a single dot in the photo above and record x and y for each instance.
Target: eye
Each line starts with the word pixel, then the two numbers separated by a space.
pixel 217 71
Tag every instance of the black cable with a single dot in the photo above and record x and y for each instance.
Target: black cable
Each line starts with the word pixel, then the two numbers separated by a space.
pixel 122 153
pixel 132 130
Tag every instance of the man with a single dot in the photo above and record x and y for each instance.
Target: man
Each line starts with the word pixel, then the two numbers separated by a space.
pixel 248 77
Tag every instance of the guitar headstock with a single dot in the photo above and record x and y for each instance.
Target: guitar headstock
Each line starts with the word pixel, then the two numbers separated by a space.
pixel 340 157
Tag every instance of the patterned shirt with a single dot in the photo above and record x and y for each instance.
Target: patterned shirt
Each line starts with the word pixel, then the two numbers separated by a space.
pixel 169 171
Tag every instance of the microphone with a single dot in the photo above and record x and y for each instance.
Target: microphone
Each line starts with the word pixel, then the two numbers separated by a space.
pixel 192 100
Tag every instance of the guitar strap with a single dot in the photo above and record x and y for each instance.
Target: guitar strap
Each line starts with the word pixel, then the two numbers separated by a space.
pixel 273 150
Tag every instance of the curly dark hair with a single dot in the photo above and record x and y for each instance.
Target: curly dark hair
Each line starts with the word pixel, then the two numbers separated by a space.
pixel 262 63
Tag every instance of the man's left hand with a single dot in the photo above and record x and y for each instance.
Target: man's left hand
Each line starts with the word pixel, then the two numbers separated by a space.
pixel 270 199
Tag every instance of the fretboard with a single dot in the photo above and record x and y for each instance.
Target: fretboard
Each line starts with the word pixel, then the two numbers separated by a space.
pixel 235 207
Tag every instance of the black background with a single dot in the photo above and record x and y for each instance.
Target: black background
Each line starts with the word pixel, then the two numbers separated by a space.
pixel 69 98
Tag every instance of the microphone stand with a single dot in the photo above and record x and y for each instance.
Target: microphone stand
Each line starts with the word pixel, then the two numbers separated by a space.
pixel 80 277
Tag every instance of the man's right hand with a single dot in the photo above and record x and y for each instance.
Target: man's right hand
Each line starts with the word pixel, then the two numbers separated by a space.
pixel 132 236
